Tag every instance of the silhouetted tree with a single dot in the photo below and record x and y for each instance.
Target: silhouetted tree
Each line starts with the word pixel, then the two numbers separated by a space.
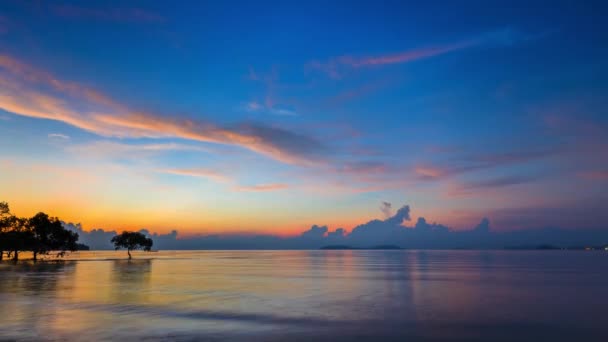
pixel 4 225
pixel 40 234
pixel 131 241
pixel 14 236
pixel 50 235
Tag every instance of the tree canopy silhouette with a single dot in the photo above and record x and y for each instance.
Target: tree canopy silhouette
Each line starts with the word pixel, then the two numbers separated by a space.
pixel 49 235
pixel 39 234
pixel 131 241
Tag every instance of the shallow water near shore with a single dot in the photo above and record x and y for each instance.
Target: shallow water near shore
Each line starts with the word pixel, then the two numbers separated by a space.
pixel 301 295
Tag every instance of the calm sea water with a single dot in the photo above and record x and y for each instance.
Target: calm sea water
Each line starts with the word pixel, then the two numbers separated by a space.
pixel 306 295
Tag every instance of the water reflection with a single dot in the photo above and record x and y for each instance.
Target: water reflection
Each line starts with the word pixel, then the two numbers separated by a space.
pixel 331 295
pixel 131 279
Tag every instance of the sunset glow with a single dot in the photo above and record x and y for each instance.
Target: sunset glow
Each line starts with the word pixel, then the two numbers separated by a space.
pixel 121 117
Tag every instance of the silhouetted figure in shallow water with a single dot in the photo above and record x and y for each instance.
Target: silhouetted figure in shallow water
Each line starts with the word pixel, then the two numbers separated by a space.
pixel 131 241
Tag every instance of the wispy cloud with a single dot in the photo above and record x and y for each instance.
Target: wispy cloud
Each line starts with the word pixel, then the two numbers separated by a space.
pixel 595 175
pixel 269 107
pixel 283 112
pixel 469 188
pixel 200 173
pixel 254 106
pixel 111 149
pixel 357 92
pixel 223 178
pixel 71 103
pixel 109 14
pixel 262 187
pixel 270 102
pixel 474 162
pixel 335 67
pixel 58 136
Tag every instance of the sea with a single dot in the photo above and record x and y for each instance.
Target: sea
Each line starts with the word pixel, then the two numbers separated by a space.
pixel 310 295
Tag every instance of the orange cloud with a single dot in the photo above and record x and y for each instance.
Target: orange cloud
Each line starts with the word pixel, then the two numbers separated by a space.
pixel 103 116
pixel 263 187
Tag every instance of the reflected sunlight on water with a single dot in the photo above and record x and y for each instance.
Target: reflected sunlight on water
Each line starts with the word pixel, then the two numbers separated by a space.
pixel 278 295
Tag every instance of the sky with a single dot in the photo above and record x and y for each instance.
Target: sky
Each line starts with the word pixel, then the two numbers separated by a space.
pixel 268 117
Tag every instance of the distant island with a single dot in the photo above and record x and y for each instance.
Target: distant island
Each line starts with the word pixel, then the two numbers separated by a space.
pixel 340 247
pixel 545 247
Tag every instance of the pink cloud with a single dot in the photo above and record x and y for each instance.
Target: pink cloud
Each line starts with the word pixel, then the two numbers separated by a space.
pixel 407 56
pixel 335 67
pixel 594 175
pixel 200 173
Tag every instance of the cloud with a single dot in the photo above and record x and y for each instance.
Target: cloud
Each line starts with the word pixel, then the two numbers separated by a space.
pixel 262 187
pixel 425 227
pixel 283 112
pixel 407 56
pixel 467 163
pixel 92 111
pixel 335 67
pixel 253 106
pixel 386 209
pixel 356 93
pixel 381 230
pixel 315 232
pixel 223 178
pixel 109 14
pixel 269 107
pixel 199 173
pixel 58 136
pixel 271 103
pixel 336 234
pixel 595 175
pixel 483 226
pixel 431 172
pixel 390 231
pixel 581 214
pixel 363 171
pixel 499 182
pixel 106 149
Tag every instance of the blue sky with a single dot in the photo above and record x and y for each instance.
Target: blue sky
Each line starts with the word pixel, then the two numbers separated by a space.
pixel 272 116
